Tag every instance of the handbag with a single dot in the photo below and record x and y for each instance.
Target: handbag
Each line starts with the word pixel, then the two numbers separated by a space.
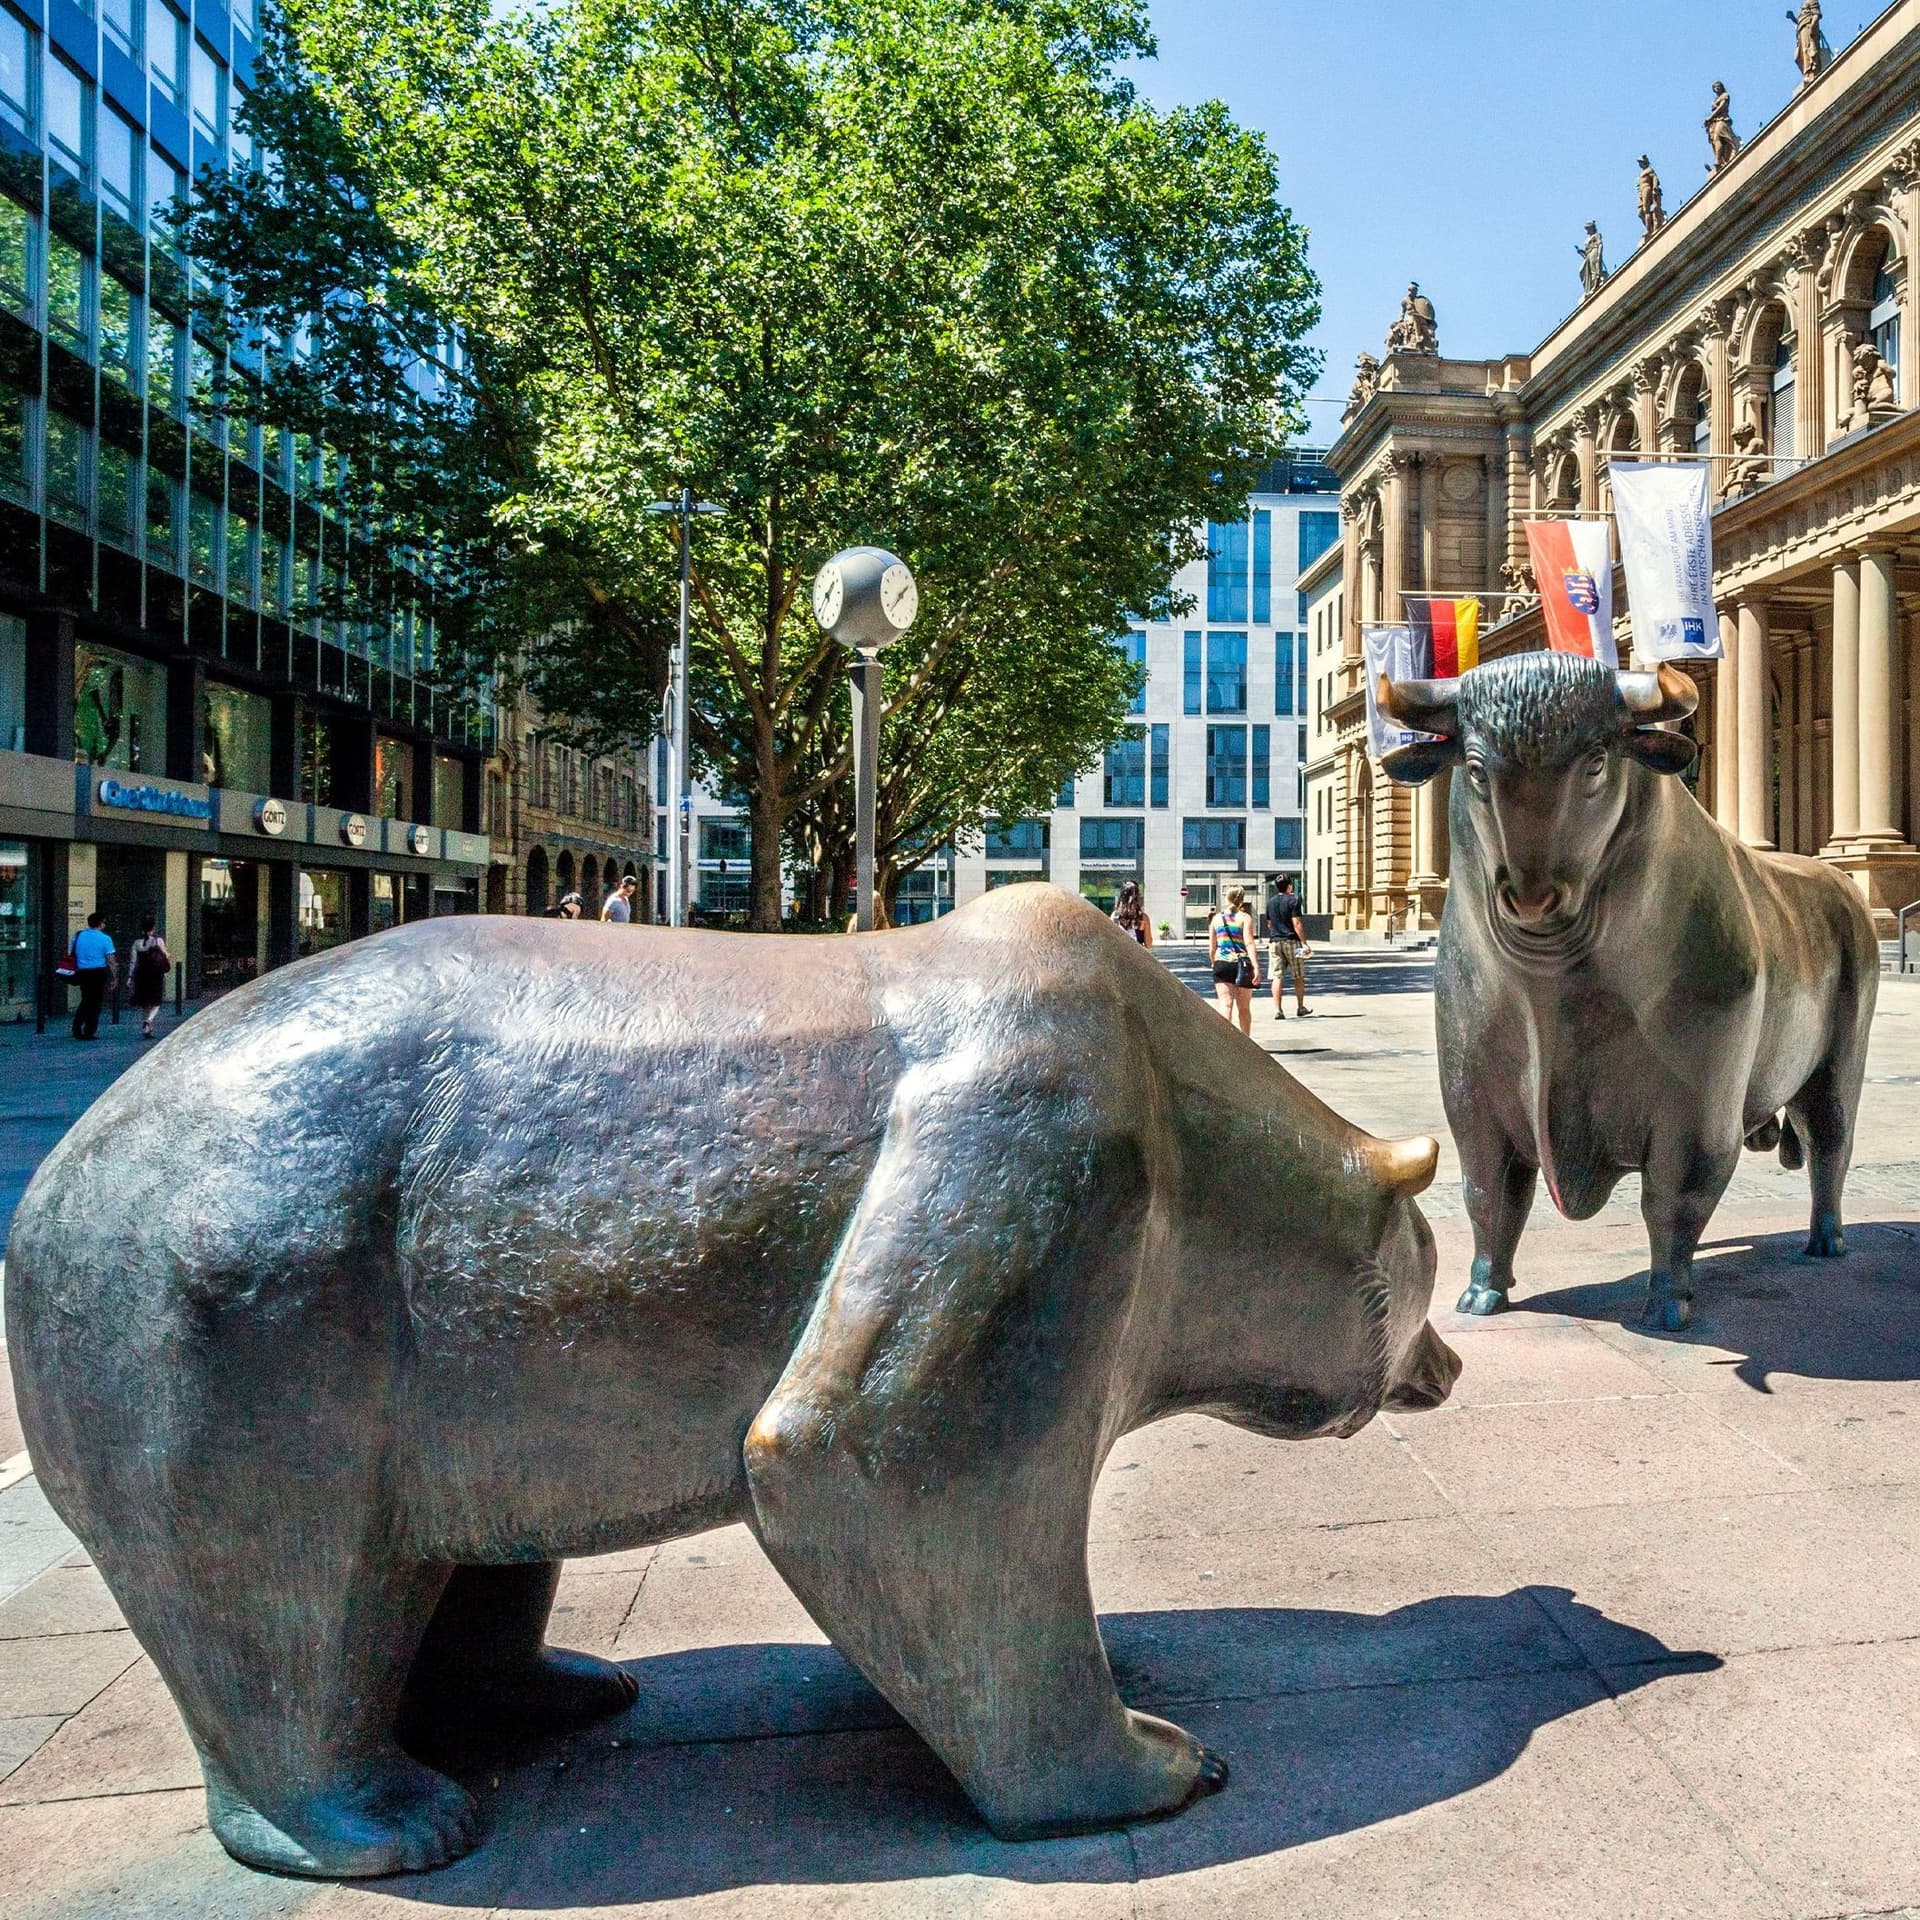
pixel 66 967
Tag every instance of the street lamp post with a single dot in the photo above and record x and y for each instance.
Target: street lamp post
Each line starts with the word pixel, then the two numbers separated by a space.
pixel 866 598
pixel 679 745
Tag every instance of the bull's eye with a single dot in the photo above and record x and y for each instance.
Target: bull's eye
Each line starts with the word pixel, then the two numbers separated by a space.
pixel 1597 764
pixel 1476 776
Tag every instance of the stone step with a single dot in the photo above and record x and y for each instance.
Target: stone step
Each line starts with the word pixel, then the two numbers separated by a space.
pixel 1890 954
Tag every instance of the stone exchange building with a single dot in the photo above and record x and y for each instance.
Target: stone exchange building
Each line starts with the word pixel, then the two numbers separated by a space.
pixel 1766 323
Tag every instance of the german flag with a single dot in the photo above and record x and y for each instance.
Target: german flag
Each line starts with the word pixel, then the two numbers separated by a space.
pixel 1446 632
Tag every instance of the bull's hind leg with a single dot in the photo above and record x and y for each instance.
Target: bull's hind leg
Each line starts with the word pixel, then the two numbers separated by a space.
pixel 922 1473
pixel 485 1657
pixel 1499 1196
pixel 1821 1113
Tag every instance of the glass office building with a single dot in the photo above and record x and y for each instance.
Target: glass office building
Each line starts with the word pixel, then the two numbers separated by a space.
pixel 180 733
pixel 1206 789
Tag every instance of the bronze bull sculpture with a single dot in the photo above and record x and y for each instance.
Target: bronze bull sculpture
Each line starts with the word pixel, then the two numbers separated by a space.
pixel 406 1271
pixel 1621 985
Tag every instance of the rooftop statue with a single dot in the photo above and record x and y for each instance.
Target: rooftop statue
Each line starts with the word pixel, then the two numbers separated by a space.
pixel 1653 212
pixel 1811 54
pixel 1366 383
pixel 406 1271
pixel 1593 262
pixel 1623 986
pixel 1720 134
pixel 1416 331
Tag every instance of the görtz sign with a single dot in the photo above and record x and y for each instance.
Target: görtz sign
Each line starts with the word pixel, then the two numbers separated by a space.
pixel 270 816
pixel 143 797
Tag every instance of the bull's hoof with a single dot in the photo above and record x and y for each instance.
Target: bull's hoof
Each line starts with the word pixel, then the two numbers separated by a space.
pixel 1826 1241
pixel 404 1818
pixel 1666 1313
pixel 1481 1300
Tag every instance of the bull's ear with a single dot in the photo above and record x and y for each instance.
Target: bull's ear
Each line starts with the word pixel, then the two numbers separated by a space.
pixel 1404 1167
pixel 1416 763
pixel 1664 752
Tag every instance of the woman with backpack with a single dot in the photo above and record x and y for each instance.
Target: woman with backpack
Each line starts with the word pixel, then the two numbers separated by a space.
pixel 1235 953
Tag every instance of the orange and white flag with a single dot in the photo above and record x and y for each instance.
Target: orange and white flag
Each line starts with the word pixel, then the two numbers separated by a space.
pixel 1573 568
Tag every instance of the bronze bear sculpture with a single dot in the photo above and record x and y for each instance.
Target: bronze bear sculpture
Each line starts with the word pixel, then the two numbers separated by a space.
pixel 406 1271
pixel 1622 985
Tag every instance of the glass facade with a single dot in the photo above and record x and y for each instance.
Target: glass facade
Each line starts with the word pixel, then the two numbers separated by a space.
pixel 1262 564
pixel 1017 839
pixel 1134 646
pixel 1190 673
pixel 1112 839
pixel 1224 840
pixel 237 739
pixel 1226 570
pixel 1125 775
pixel 1157 764
pixel 1262 766
pixel 1226 673
pixel 119 710
pixel 322 910
pixel 1318 531
pixel 1226 766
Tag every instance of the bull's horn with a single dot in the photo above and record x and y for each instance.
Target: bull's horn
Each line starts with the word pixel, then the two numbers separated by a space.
pixel 1428 706
pixel 1657 697
pixel 1404 1167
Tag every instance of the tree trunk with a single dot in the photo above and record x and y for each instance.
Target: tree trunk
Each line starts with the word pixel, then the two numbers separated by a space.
pixel 765 811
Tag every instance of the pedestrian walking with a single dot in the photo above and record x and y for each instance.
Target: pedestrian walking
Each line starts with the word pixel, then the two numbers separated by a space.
pixel 1130 914
pixel 94 970
pixel 1234 950
pixel 1287 949
pixel 566 908
pixel 618 905
pixel 150 963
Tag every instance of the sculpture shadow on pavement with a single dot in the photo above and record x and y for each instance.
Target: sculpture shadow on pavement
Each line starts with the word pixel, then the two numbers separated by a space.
pixel 776 1765
pixel 1763 1308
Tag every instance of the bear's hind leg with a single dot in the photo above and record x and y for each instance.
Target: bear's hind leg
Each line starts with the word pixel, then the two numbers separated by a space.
pixel 485 1658
pixel 289 1677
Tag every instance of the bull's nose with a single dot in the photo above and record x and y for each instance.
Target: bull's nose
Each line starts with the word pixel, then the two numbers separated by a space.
pixel 1428 1376
pixel 1531 905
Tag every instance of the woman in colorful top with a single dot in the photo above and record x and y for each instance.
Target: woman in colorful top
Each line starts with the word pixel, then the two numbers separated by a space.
pixel 1130 914
pixel 1236 959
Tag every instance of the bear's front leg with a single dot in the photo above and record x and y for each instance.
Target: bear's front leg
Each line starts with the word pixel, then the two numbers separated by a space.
pixel 969 1609
pixel 921 1475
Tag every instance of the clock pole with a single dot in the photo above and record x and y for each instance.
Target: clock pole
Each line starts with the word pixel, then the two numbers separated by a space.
pixel 866 598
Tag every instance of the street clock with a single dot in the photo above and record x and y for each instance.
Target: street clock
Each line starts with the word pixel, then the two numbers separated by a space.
pixel 866 598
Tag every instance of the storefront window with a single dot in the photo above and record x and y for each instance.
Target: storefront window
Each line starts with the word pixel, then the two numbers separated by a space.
pixel 386 903
pixel 119 710
pixel 19 929
pixel 316 758
pixel 237 748
pixel 13 682
pixel 323 911
pixel 229 923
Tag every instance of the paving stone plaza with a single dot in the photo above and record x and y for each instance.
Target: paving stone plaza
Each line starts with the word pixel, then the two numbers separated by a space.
pixel 1631 1627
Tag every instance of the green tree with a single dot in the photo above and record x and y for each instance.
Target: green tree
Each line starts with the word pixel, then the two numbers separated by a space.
pixel 922 272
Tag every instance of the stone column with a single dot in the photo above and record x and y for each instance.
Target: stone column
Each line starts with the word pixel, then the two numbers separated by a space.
pixel 1755 761
pixel 1350 564
pixel 1807 826
pixel 1784 648
pixel 1879 707
pixel 1810 368
pixel 1493 505
pixel 1393 541
pixel 1845 740
pixel 1719 400
pixel 1519 496
pixel 1427 475
pixel 1587 452
pixel 1726 747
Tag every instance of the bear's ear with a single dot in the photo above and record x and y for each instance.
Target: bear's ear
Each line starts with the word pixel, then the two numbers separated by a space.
pixel 1419 760
pixel 1664 752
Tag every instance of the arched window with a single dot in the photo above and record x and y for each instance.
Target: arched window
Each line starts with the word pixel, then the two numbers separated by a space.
pixel 590 886
pixel 537 880
pixel 1780 434
pixel 563 871
pixel 1883 321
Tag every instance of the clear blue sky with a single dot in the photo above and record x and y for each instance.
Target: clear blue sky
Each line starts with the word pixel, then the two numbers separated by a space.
pixel 1466 146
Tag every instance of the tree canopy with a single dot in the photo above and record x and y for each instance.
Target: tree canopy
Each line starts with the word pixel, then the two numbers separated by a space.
pixel 926 273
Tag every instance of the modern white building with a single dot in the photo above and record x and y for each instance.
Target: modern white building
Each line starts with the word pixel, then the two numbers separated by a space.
pixel 1207 790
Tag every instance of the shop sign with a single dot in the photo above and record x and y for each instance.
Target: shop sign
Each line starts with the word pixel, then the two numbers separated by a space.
pixel 353 829
pixel 419 840
pixel 147 799
pixel 270 816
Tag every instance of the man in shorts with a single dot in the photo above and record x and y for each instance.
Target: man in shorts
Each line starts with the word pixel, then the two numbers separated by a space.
pixel 1287 948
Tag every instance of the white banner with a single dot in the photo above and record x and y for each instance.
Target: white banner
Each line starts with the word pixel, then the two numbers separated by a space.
pixel 1395 652
pixel 1666 546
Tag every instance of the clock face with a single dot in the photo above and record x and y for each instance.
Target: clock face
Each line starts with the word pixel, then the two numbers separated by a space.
pixel 828 592
pixel 899 597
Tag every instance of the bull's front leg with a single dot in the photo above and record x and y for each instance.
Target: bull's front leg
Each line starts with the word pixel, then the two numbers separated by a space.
pixel 1680 1186
pixel 1498 1186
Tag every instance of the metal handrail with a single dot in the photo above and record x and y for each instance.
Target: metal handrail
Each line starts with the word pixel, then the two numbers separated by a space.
pixel 1900 923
